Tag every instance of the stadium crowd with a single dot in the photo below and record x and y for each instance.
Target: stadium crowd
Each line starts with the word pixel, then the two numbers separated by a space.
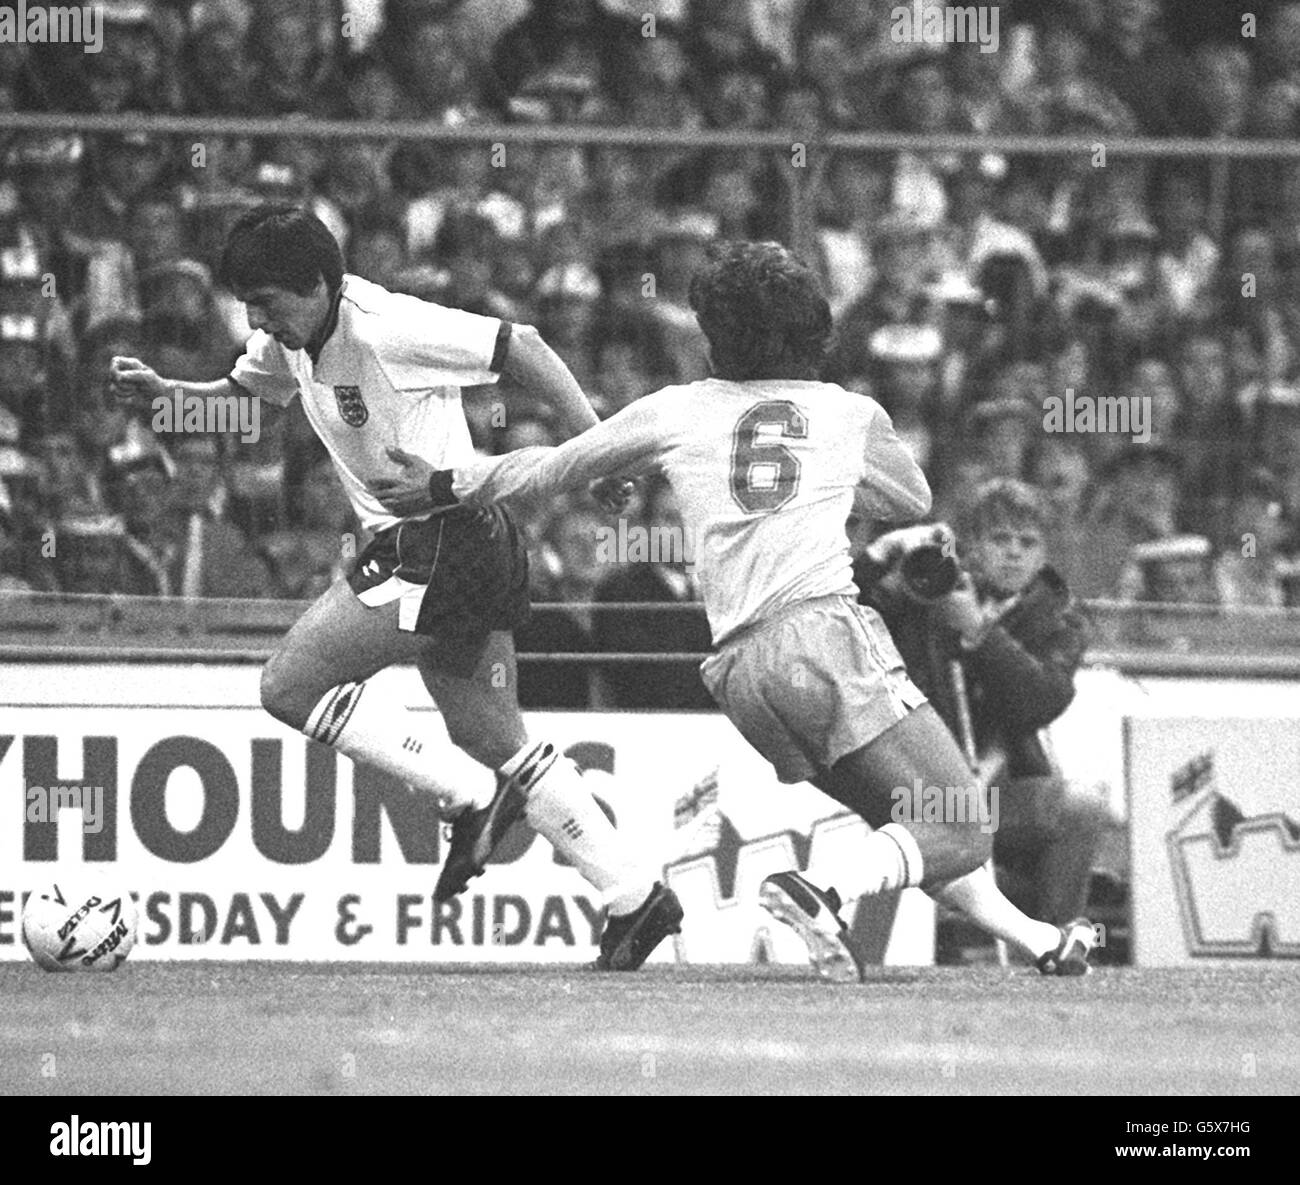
pixel 969 291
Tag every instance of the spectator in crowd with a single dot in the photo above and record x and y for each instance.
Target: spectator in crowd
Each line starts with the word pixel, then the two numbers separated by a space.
pixel 47 177
pixel 1178 570
pixel 466 251
pixel 15 70
pixel 73 483
pixel 1187 261
pixel 216 69
pixel 24 369
pixel 1005 431
pixel 1013 630
pixel 662 573
pixel 904 377
pixel 668 86
pixel 94 554
pixel 1226 82
pixel 677 253
pixel 738 98
pixel 140 493
pixel 723 38
pixel 847 98
pixel 903 250
pixel 618 202
pixel 1255 558
pixel 320 541
pixel 1131 280
pixel 156 232
pixel 208 556
pixel 98 419
pixel 180 316
pixel 127 169
pixel 725 187
pixel 629 363
pixel 142 75
pixel 567 301
pixel 1211 428
pixel 983 101
pixel 1135 499
pixel 1063 476
pixel 976 231
pixel 563 58
pixel 850 202
pixel 1153 80
pixel 1152 392
pixel 921 101
pixel 369 90
pixel 292 59
pixel 1064 91
pixel 1274 432
pixel 860 30
pixel 355 179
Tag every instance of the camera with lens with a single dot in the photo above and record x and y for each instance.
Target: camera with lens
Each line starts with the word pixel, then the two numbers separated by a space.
pixel 928 573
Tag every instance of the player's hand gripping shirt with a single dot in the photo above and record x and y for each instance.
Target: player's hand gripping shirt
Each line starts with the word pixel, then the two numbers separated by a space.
pixel 388 375
pixel 766 474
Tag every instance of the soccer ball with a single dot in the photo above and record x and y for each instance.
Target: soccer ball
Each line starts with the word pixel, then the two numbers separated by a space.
pixel 76 924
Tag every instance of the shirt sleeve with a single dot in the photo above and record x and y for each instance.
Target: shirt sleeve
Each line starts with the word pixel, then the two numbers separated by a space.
pixel 427 345
pixel 625 445
pixel 894 488
pixel 263 371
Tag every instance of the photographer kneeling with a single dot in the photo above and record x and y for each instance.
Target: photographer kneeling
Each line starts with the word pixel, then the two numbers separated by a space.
pixel 995 649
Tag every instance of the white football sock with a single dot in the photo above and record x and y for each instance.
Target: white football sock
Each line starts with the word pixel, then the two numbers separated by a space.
pixel 977 895
pixel 563 811
pixel 364 724
pixel 889 859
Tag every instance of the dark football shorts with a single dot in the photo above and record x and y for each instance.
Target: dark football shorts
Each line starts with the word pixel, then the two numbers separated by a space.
pixel 457 577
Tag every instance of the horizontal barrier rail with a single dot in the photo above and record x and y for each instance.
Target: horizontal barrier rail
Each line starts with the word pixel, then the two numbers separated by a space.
pixel 1139 639
pixel 640 137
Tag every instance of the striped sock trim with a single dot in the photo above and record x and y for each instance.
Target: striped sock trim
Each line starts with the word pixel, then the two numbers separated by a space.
pixel 333 713
pixel 530 763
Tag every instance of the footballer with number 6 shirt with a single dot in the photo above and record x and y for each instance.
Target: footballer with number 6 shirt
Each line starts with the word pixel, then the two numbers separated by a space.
pixel 379 376
pixel 767 463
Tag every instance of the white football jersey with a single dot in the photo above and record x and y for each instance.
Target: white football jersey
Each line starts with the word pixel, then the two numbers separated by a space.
pixel 766 474
pixel 389 375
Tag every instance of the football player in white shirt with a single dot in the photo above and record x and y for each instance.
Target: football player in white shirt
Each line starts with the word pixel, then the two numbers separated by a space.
pixel 379 375
pixel 767 464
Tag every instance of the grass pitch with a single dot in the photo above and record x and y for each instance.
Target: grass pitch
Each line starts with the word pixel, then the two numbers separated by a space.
pixel 264 1028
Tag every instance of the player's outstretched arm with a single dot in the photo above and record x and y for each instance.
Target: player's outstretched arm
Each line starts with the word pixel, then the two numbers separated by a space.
pixel 627 443
pixel 137 384
pixel 539 370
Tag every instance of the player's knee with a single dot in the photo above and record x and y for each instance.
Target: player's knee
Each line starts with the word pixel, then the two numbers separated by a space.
pixel 280 697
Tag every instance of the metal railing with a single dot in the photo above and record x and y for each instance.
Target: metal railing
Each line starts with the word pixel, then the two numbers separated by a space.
pixel 1135 638
pixel 796 178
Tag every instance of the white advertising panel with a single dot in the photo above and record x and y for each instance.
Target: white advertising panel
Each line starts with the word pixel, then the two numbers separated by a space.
pixel 241 839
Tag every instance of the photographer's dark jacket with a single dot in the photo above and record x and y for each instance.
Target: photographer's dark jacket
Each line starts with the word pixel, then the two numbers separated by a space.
pixel 1018 680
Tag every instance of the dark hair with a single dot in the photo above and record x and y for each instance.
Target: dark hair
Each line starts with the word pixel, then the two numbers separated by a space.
pixel 283 247
pixel 1005 500
pixel 762 311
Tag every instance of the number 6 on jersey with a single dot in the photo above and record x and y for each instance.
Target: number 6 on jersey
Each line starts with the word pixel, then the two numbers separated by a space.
pixel 764 473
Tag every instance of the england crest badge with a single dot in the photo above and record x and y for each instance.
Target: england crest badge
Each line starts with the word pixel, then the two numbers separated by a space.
pixel 352 408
